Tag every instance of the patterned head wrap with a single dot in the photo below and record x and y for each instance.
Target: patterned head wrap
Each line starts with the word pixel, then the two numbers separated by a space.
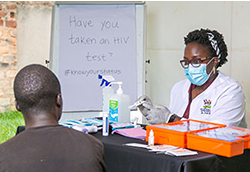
pixel 214 44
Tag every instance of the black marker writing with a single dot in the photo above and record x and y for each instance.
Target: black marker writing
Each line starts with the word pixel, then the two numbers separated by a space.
pixel 67 72
pixel 95 57
pixel 121 40
pixel 81 40
pixel 110 54
pixel 87 73
pixel 73 22
pixel 108 24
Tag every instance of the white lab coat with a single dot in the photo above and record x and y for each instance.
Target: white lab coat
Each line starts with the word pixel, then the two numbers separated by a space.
pixel 222 102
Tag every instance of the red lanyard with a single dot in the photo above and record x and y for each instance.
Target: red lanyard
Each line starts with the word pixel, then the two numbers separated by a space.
pixel 192 86
pixel 186 113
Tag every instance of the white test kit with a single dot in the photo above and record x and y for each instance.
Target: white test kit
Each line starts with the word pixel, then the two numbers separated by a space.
pixel 136 104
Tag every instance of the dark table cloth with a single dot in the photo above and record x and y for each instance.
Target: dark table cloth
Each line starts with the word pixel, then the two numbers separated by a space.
pixel 121 158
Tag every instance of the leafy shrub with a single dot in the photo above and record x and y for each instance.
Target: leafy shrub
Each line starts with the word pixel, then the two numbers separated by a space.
pixel 9 121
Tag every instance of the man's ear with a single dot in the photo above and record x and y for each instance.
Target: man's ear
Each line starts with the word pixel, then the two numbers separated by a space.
pixel 59 100
pixel 17 106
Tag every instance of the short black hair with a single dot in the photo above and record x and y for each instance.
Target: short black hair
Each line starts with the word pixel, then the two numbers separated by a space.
pixel 202 36
pixel 36 88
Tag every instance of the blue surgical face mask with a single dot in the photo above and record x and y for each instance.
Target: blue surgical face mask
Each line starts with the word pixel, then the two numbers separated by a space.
pixel 198 75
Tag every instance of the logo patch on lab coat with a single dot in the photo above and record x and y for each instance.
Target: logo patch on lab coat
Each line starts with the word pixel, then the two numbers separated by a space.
pixel 206 109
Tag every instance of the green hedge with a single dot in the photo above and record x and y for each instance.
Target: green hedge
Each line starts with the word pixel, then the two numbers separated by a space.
pixel 8 124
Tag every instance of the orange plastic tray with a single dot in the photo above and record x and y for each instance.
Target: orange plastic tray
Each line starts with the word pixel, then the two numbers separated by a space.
pixel 247 137
pixel 247 142
pixel 173 137
pixel 207 143
pixel 215 146
pixel 168 137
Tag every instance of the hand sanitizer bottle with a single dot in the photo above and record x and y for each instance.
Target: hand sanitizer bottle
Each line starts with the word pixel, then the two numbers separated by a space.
pixel 106 93
pixel 119 106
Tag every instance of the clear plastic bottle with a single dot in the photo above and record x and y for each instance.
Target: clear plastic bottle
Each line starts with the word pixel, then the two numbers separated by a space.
pixel 107 92
pixel 119 106
pixel 151 138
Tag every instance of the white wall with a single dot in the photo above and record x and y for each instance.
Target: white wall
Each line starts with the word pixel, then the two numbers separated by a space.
pixel 167 24
pixel 33 34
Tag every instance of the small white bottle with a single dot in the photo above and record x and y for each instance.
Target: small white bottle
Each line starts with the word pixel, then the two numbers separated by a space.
pixel 105 125
pixel 151 138
pixel 119 106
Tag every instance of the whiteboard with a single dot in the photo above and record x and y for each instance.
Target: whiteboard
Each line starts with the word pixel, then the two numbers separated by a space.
pixel 91 39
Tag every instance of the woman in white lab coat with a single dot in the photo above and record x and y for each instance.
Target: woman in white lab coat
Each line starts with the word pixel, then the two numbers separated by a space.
pixel 207 94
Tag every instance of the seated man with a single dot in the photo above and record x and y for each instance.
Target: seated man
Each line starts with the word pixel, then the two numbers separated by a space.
pixel 45 145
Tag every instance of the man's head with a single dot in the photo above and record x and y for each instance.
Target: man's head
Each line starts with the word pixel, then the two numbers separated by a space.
pixel 37 90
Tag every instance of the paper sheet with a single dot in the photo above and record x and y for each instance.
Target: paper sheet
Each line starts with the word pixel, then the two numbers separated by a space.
pixel 137 133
